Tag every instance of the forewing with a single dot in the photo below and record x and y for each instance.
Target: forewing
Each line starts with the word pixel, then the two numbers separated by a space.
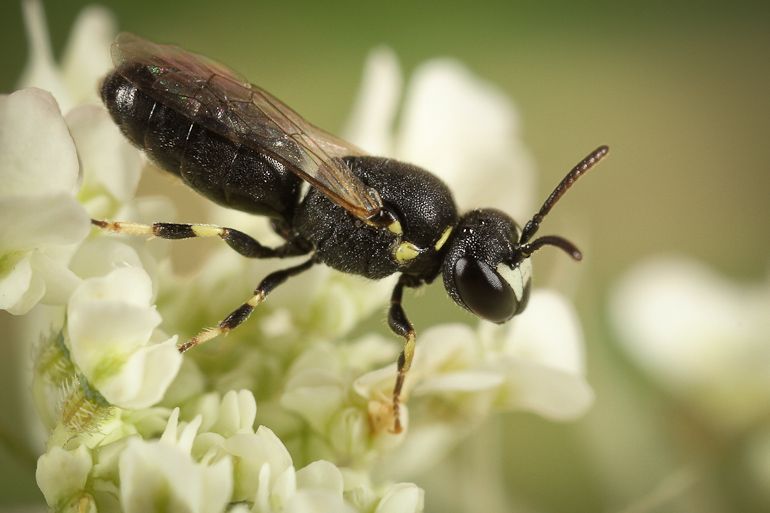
pixel 222 101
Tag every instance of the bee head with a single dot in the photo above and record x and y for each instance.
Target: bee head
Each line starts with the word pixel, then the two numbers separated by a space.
pixel 487 267
pixel 479 269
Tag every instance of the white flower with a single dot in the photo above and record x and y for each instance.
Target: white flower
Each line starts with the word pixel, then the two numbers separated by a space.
pixel 454 124
pixel 701 335
pixel 459 376
pixel 233 413
pixel 42 157
pixel 534 362
pixel 113 340
pixel 86 57
pixel 110 167
pixel 40 220
pixel 402 498
pixel 162 475
pixel 61 475
pixel 542 359
pixel 319 390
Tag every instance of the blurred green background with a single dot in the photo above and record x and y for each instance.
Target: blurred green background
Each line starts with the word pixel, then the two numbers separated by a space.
pixel 680 92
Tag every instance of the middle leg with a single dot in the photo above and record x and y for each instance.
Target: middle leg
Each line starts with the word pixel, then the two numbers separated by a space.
pixel 240 314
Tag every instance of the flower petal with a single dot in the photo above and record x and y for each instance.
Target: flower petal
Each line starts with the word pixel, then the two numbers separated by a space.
pixel 129 285
pixel 86 57
pixel 99 256
pixel 61 474
pixel 40 221
pixel 37 154
pixel 315 396
pixel 668 309
pixel 699 334
pixel 317 501
pixel 109 323
pixel 321 475
pixel 59 280
pixel 402 498
pixel 237 413
pixel 457 382
pixel 465 130
pixel 548 332
pixel 144 377
pixel 105 331
pixel 108 162
pixel 15 281
pixel 428 444
pixel 547 391
pixel 370 124
pixel 156 476
pixel 252 452
pixel 41 70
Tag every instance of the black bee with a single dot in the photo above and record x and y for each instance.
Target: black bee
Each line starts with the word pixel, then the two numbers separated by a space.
pixel 243 148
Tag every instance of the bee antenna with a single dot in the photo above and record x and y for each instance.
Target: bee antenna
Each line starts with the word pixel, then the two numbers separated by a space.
pixel 551 240
pixel 533 224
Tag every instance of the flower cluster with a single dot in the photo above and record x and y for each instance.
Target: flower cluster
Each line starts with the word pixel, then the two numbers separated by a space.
pixel 133 426
pixel 204 463
pixel 700 335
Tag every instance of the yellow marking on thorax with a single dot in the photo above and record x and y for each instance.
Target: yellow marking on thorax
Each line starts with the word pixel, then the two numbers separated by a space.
pixel 444 237
pixel 405 252
pixel 395 227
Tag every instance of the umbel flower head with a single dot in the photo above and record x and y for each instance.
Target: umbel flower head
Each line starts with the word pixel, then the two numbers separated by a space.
pixel 289 412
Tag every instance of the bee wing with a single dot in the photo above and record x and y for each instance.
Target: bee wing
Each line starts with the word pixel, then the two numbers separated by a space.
pixel 222 101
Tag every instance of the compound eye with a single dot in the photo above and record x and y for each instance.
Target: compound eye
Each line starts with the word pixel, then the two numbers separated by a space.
pixel 484 291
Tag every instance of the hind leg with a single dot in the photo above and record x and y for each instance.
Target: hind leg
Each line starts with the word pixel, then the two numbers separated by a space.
pixel 240 314
pixel 239 241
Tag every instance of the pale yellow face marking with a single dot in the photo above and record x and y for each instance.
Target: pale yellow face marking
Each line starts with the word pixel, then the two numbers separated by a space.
pixel 444 237
pixel 406 252
pixel 206 230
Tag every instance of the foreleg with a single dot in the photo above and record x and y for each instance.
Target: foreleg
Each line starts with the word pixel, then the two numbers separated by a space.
pixel 401 326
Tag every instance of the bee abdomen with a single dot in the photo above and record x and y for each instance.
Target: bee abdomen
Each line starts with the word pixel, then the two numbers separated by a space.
pixel 154 128
pixel 224 171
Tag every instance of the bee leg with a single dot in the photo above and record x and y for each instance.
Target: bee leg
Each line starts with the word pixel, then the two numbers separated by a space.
pixel 240 314
pixel 239 241
pixel 401 326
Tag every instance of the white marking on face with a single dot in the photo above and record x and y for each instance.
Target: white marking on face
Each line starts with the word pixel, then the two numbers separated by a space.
pixel 518 277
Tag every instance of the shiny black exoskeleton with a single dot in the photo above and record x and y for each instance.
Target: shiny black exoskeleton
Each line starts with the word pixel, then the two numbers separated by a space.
pixel 421 202
pixel 242 148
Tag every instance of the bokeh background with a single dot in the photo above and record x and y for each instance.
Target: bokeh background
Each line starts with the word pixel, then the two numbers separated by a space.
pixel 679 90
